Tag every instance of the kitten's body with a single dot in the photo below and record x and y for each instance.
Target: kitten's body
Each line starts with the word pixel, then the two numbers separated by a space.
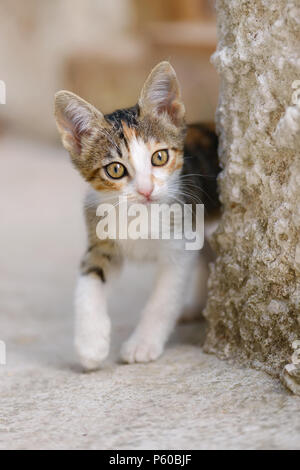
pixel 128 138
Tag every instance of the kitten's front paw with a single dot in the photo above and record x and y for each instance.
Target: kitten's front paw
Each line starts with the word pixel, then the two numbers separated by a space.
pixel 92 347
pixel 91 357
pixel 139 349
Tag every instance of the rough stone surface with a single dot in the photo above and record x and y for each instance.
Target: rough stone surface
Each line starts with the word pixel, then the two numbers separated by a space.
pixel 254 300
pixel 185 400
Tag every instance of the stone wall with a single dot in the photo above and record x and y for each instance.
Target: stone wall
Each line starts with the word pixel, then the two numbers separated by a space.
pixel 254 288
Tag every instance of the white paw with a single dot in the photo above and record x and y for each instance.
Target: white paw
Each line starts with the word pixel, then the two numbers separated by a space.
pixel 91 357
pixel 92 346
pixel 139 349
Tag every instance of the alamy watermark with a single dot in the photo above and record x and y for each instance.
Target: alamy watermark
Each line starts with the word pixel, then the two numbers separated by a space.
pixel 123 221
pixel 2 353
pixel 296 353
pixel 296 93
pixel 2 92
pixel 295 359
pixel 2 343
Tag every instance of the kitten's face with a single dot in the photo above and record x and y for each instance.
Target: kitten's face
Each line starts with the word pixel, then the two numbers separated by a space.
pixel 135 152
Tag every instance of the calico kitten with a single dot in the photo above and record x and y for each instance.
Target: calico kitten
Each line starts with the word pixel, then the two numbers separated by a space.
pixel 148 154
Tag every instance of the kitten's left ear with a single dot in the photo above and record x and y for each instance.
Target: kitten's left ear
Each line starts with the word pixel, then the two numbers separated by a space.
pixel 75 119
pixel 161 93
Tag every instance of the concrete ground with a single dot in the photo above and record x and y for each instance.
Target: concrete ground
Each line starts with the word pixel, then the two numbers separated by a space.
pixel 185 400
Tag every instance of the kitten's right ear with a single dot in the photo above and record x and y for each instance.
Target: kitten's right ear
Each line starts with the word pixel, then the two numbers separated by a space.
pixel 75 119
pixel 161 94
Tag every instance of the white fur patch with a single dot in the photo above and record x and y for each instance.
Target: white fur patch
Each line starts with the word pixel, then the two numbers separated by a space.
pixel 92 324
pixel 147 177
pixel 141 159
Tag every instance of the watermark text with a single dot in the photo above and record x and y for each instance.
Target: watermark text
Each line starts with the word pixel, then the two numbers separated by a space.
pixel 2 353
pixel 2 92
pixel 123 221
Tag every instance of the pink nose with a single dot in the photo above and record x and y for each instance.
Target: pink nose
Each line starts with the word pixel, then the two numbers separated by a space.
pixel 145 192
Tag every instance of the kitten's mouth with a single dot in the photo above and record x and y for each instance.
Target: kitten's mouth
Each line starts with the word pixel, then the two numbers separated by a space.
pixel 150 200
pixel 146 200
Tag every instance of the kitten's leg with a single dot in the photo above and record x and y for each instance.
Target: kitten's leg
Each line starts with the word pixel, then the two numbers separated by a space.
pixel 92 324
pixel 160 314
pixel 196 299
pixel 193 310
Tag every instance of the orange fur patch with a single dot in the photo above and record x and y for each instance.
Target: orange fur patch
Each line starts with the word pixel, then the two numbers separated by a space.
pixel 129 132
pixel 106 185
pixel 176 161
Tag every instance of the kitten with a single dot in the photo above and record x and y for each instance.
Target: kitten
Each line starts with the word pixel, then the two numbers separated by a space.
pixel 148 154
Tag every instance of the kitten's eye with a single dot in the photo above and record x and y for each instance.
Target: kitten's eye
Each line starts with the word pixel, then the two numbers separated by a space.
pixel 115 170
pixel 160 158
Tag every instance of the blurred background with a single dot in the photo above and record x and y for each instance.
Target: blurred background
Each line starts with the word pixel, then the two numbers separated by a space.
pixel 103 51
